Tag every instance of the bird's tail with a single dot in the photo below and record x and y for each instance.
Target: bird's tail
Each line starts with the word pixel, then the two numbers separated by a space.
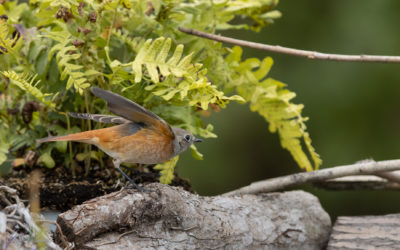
pixel 87 137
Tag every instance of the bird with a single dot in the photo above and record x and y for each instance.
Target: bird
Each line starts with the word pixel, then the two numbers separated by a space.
pixel 140 136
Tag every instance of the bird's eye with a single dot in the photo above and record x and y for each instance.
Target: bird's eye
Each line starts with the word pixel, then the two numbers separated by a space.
pixel 187 138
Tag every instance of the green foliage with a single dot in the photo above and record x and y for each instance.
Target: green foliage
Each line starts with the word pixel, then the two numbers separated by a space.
pixel 4 145
pixel 167 170
pixel 133 48
pixel 46 160
pixel 153 55
pixel 6 42
pixel 67 54
pixel 27 83
pixel 271 100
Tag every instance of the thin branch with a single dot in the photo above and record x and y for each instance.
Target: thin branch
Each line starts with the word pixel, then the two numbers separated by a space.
pixel 63 237
pixel 369 167
pixel 390 176
pixel 358 182
pixel 294 52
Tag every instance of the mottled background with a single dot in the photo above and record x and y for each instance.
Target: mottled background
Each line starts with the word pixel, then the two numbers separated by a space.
pixel 353 107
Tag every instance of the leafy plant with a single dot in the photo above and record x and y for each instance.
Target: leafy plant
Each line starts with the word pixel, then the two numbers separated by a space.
pixel 53 51
pixel 167 170
pixel 270 99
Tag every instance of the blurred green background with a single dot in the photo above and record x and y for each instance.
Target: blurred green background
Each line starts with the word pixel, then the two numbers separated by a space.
pixel 353 107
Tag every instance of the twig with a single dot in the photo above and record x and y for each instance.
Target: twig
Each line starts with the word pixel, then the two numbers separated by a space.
pixel 9 190
pixel 12 192
pixel 29 220
pixel 358 182
pixel 19 224
pixel 5 200
pixel 390 176
pixel 370 167
pixel 119 237
pixel 63 237
pixel 13 236
pixel 294 52
pixel 19 214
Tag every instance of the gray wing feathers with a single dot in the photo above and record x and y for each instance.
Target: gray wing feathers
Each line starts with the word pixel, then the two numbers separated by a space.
pixel 121 106
pixel 100 118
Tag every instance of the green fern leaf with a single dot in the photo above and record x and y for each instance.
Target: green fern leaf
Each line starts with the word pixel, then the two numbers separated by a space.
pixel 182 79
pixel 153 55
pixel 27 83
pixel 66 57
pixel 7 43
pixel 167 170
pixel 269 98
pixel 64 3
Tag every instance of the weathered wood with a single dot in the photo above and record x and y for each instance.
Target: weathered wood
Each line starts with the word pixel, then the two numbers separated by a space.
pixel 358 182
pixel 366 232
pixel 382 168
pixel 171 218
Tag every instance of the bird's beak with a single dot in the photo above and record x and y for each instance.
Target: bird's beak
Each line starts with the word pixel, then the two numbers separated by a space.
pixel 197 140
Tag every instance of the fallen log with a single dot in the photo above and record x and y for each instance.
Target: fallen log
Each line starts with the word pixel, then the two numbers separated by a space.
pixel 171 218
pixel 366 232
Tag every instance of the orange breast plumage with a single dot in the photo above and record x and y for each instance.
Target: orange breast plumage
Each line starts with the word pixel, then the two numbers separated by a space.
pixel 145 145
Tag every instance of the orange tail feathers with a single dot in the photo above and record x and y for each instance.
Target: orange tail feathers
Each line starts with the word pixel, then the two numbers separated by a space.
pixel 79 137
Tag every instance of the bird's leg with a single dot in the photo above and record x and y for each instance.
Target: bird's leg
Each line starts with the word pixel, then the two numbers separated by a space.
pixel 116 165
pixel 140 166
pixel 140 169
pixel 140 173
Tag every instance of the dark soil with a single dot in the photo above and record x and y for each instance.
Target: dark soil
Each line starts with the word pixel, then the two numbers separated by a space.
pixel 58 190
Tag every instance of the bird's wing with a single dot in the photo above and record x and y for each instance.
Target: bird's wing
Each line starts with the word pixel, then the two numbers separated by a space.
pixel 134 112
pixel 100 118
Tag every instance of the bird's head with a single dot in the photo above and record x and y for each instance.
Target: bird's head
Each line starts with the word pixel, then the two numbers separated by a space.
pixel 183 140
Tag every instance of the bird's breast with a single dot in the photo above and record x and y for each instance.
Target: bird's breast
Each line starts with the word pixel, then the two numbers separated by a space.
pixel 146 146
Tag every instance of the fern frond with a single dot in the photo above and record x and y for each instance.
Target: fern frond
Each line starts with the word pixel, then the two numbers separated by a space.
pixel 200 15
pixel 27 83
pixel 66 56
pixel 271 100
pixel 7 43
pixel 167 170
pixel 199 92
pixel 259 11
pixel 182 79
pixel 64 3
pixel 153 55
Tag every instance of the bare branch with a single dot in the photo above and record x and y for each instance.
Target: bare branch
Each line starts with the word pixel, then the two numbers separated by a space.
pixel 358 182
pixel 390 176
pixel 294 52
pixel 362 168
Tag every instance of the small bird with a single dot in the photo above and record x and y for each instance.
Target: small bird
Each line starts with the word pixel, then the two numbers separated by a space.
pixel 141 136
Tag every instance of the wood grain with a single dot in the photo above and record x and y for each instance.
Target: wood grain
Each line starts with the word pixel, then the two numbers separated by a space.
pixel 366 232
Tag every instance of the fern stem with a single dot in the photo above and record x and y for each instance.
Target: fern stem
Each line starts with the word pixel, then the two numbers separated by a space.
pixel 70 147
pixel 112 26
pixel 88 147
pixel 6 117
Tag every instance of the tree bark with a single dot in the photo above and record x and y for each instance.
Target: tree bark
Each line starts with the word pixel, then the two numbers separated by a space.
pixel 171 218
